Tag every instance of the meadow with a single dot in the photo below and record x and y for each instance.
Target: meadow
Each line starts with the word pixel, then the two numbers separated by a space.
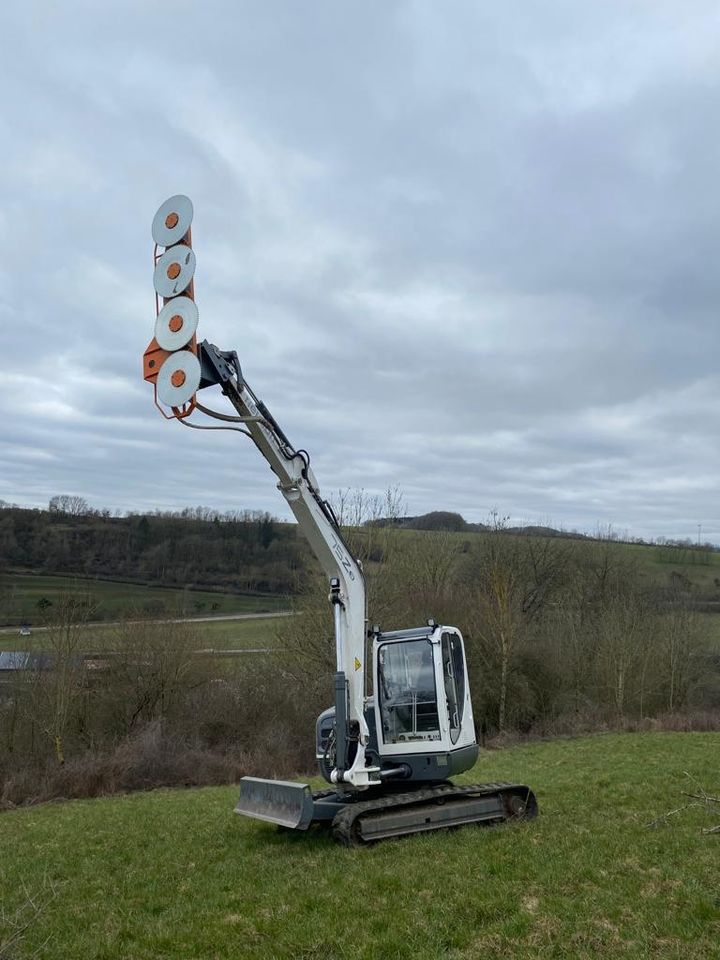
pixel 22 596
pixel 174 874
pixel 259 631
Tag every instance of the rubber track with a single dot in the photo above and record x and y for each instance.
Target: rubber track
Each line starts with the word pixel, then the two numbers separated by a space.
pixel 343 825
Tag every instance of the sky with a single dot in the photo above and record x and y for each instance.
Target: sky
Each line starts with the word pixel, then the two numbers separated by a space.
pixel 467 250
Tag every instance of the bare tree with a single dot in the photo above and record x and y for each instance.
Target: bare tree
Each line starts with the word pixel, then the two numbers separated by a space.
pixel 366 518
pixel 680 636
pixel 154 667
pixel 511 584
pixel 621 637
pixel 65 503
pixel 421 581
pixel 58 677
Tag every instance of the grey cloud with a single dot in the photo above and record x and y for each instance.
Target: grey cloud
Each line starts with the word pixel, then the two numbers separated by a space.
pixel 470 252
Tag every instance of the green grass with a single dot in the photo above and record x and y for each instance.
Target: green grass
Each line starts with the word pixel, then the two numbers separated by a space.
pixel 20 594
pixel 240 634
pixel 711 626
pixel 217 635
pixel 176 875
pixel 657 564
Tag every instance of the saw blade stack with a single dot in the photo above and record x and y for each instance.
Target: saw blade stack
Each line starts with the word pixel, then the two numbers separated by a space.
pixel 170 361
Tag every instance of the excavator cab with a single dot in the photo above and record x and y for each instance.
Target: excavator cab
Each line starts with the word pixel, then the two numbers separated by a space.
pixel 420 718
pixel 420 700
pixel 423 719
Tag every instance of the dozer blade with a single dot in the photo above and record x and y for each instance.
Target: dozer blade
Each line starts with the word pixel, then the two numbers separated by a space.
pixel 276 801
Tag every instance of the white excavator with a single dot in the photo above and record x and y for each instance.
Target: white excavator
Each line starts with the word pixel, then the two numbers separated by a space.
pixel 389 756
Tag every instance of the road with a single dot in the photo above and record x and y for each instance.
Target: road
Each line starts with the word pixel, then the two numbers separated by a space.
pixel 116 623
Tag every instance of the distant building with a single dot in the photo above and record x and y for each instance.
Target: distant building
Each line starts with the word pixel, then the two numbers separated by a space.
pixel 15 663
pixel 14 660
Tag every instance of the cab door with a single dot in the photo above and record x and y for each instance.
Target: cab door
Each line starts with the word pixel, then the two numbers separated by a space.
pixel 453 674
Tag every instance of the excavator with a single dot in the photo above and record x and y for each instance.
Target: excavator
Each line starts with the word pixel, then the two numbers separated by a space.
pixel 389 756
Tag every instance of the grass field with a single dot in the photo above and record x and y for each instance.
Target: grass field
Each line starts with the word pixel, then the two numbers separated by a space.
pixel 176 875
pixel 711 626
pixel 21 593
pixel 217 635
pixel 240 634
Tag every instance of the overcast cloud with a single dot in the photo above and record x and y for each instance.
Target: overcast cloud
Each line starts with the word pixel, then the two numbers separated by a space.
pixel 467 249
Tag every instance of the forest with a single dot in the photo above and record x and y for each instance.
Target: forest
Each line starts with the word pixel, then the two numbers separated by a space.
pixel 243 551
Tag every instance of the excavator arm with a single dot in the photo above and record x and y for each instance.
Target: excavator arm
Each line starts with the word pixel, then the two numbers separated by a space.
pixel 297 483
pixel 178 366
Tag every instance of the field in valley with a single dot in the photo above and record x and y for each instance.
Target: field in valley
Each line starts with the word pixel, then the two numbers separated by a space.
pixel 22 595
pixel 257 632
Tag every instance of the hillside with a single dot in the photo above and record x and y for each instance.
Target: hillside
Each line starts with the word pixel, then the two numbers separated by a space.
pixel 254 553
pixel 236 552
pixel 176 875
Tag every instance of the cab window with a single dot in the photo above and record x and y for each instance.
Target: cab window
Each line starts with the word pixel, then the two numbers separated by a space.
pixel 407 694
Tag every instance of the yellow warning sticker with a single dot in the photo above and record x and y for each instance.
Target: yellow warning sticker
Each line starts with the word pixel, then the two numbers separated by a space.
pixel 357 664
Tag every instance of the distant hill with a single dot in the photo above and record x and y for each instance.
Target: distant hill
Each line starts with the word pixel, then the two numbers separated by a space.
pixel 540 531
pixel 438 520
pixel 238 552
pixel 455 523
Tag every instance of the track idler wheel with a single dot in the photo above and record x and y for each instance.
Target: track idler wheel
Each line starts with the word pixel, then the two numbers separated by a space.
pixel 521 806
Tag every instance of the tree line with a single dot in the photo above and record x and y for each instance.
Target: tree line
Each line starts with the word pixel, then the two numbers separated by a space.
pixel 560 634
pixel 243 551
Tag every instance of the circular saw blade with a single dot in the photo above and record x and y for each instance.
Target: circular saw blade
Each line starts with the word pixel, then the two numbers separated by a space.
pixel 178 379
pixel 176 323
pixel 174 270
pixel 172 221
